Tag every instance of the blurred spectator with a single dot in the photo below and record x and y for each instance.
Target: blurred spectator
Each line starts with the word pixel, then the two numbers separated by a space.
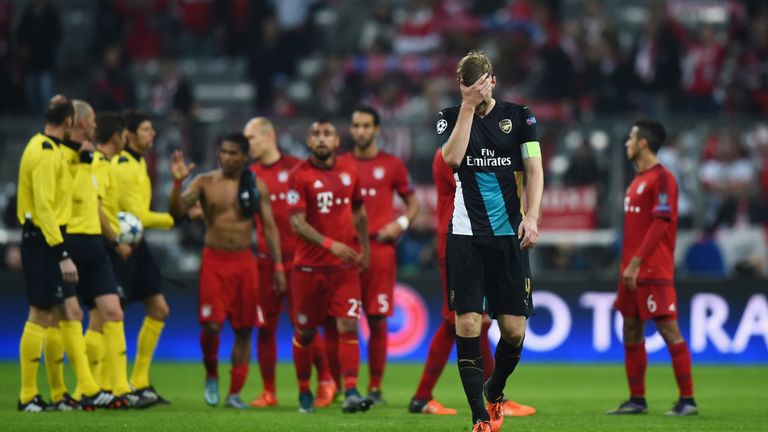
pixel 610 76
pixel 113 89
pixel 704 258
pixel 294 20
pixel 39 34
pixel 419 31
pixel 145 23
pixel 171 93
pixel 671 156
pixel 378 32
pixel 701 67
pixel 656 62
pixel 755 66
pixel 109 26
pixel 583 169
pixel 7 85
pixel 267 60
pixel 195 19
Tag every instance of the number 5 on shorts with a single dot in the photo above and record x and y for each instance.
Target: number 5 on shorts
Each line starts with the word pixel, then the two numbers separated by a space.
pixel 383 303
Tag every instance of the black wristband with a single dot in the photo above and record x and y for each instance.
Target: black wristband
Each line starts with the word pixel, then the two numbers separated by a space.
pixel 61 253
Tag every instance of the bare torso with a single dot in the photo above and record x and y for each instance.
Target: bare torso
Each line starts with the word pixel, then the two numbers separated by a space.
pixel 226 227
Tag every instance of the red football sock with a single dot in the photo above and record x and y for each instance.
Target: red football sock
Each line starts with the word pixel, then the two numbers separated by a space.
pixel 266 343
pixel 439 350
pixel 239 374
pixel 377 353
pixel 485 351
pixel 302 360
pixel 209 342
pixel 332 350
pixel 635 364
pixel 681 364
pixel 321 358
pixel 349 358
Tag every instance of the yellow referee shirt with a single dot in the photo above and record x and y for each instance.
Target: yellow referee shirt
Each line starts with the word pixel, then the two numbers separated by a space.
pixel 85 201
pixel 107 188
pixel 44 189
pixel 135 194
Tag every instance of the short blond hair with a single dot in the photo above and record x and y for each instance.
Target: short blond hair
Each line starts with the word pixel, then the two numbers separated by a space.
pixel 473 66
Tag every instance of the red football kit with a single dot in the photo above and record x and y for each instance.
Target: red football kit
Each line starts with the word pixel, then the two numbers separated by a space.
pixel 228 289
pixel 380 177
pixel 445 187
pixel 323 284
pixel 276 177
pixel 650 228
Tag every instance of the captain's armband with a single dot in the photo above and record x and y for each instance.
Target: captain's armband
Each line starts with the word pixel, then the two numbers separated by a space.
pixel 530 149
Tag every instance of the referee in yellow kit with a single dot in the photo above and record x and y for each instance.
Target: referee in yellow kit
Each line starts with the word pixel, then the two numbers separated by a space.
pixel 139 273
pixel 44 209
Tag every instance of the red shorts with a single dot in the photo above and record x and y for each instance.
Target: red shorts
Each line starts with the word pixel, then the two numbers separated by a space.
pixel 317 295
pixel 228 289
pixel 378 281
pixel 271 302
pixel 647 302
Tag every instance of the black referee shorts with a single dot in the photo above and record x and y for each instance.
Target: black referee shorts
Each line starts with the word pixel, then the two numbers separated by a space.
pixel 488 269
pixel 42 275
pixel 94 268
pixel 139 275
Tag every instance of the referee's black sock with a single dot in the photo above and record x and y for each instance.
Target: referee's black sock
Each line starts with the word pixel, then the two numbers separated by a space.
pixel 507 357
pixel 471 373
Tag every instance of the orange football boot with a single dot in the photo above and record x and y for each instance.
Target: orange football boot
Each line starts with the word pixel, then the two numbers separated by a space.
pixel 266 399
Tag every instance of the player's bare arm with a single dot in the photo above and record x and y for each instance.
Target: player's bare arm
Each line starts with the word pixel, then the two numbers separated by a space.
pixel 179 204
pixel 271 235
pixel 393 230
pixel 528 230
pixel 471 96
pixel 360 220
pixel 306 231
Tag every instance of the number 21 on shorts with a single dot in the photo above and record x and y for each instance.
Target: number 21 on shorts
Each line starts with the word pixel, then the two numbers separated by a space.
pixel 354 308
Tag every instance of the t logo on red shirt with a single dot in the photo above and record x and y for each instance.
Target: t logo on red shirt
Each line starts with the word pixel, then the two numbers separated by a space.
pixel 325 201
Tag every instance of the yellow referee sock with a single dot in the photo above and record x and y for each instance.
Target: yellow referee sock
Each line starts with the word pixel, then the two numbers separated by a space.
pixel 53 349
pixel 74 346
pixel 115 355
pixel 94 348
pixel 149 335
pixel 30 347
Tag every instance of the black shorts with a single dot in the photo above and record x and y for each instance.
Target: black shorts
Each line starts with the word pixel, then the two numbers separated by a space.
pixel 139 275
pixel 488 269
pixel 94 268
pixel 42 274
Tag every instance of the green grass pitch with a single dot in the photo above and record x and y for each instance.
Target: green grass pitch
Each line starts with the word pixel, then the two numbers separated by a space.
pixel 568 398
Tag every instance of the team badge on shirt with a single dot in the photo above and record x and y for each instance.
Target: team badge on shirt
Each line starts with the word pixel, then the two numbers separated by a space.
pixel 378 173
pixel 292 198
pixel 282 176
pixel 346 180
pixel 505 126
pixel 442 125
